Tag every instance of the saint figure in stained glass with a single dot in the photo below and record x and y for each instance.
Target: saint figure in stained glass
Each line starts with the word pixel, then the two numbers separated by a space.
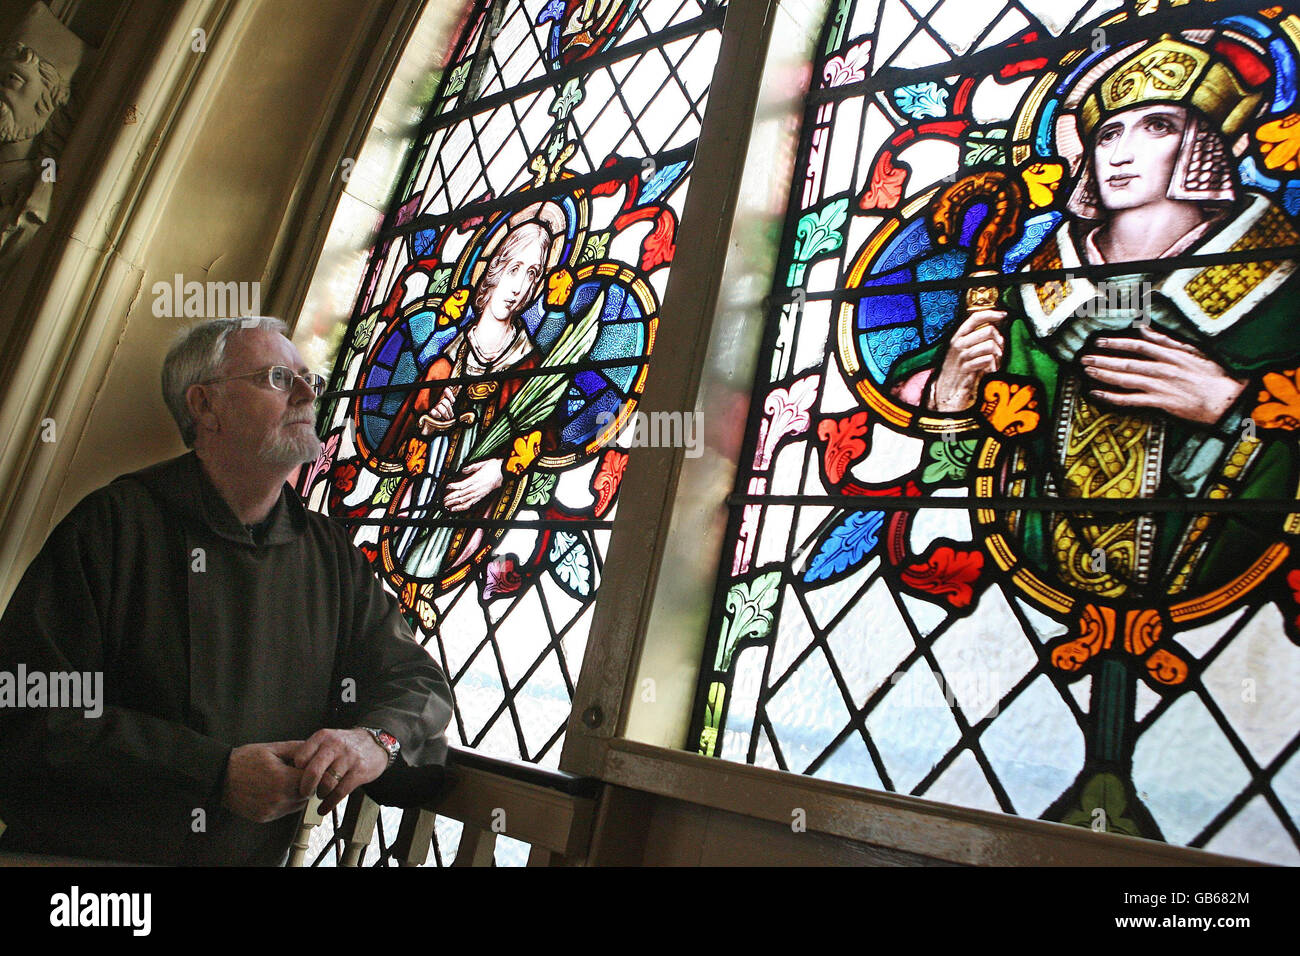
pixel 1055 436
pixel 1142 377
pixel 437 428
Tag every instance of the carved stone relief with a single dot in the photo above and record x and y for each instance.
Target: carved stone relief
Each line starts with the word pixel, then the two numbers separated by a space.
pixel 39 58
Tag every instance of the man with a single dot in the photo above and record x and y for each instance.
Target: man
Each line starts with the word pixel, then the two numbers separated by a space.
pixel 249 656
pixel 1145 379
pixel 37 63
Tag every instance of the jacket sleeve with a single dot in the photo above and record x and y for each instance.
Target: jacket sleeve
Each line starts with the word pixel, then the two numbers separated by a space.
pixel 400 687
pixel 97 752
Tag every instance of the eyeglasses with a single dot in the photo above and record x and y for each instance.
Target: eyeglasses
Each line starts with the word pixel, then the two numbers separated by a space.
pixel 280 378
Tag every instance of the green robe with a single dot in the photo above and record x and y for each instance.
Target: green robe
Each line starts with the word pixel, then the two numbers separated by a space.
pixel 1242 316
pixel 207 640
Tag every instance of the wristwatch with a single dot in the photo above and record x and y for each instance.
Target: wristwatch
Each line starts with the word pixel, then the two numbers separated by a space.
pixel 385 740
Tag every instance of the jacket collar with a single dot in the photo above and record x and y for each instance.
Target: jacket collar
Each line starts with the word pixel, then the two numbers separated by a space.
pixel 185 489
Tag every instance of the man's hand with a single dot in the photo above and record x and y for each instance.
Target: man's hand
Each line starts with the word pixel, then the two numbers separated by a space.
pixel 261 782
pixel 481 479
pixel 974 351
pixel 336 762
pixel 1156 371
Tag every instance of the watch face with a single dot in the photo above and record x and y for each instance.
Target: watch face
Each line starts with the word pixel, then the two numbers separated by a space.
pixel 388 740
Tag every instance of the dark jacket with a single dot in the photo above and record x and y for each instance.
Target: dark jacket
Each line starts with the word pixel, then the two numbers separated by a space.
pixel 207 640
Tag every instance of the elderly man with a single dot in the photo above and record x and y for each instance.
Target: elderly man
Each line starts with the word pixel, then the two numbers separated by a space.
pixel 249 656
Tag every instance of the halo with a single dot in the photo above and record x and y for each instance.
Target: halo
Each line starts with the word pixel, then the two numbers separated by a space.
pixel 547 213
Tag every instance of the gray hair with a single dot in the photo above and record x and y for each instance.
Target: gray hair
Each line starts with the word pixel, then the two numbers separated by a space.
pixel 196 357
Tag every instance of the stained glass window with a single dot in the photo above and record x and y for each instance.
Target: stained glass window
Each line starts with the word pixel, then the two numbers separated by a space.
pixel 1013 528
pixel 502 336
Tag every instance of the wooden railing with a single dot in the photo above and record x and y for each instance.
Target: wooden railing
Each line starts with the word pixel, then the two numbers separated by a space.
pixel 547 809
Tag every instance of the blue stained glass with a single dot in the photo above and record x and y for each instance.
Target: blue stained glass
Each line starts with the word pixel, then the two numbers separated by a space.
pixel 1249 25
pixel 622 376
pixel 586 293
pixel 939 309
pixel 1035 230
pixel 1084 65
pixel 975 217
pixel 921 100
pixel 389 351
pixel 878 310
pixel 549 330
pixel 619 341
pixel 1251 176
pixel 532 319
pixel 423 242
pixel 618 305
pixel 946 265
pixel 1043 137
pixel 584 426
pixel 884 346
pixel 660 183
pixel 1284 94
pixel 421 325
pixel 392 402
pixel 590 382
pixel 847 545
pixel 373 426
pixel 404 372
pixel 896 277
pixel 1291 198
pixel 436 344
pixel 908 245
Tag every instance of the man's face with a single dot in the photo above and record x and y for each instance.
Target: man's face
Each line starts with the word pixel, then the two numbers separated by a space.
pixel 21 88
pixel 519 276
pixel 1135 154
pixel 258 422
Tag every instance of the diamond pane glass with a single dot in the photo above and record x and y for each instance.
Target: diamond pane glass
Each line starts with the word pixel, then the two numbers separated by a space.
pixel 474 431
pixel 1014 528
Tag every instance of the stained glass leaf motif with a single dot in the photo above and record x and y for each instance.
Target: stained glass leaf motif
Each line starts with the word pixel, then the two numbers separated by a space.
pixel 540 487
pixel 712 717
pixel 597 247
pixel 571 563
pixel 567 100
pixel 1103 806
pixel 364 330
pixel 501 577
pixel 818 233
pixel 922 99
pixel 847 545
pixel 749 614
pixel 846 440
pixel 849 68
pixel 787 413
pixel 949 460
pixel 950 573
pixel 384 493
pixel 984 146
pixel 456 82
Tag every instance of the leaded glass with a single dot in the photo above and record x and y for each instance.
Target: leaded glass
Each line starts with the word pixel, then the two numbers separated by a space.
pixel 1038 267
pixel 474 426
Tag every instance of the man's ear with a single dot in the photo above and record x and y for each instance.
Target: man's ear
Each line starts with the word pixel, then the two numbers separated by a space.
pixel 198 399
